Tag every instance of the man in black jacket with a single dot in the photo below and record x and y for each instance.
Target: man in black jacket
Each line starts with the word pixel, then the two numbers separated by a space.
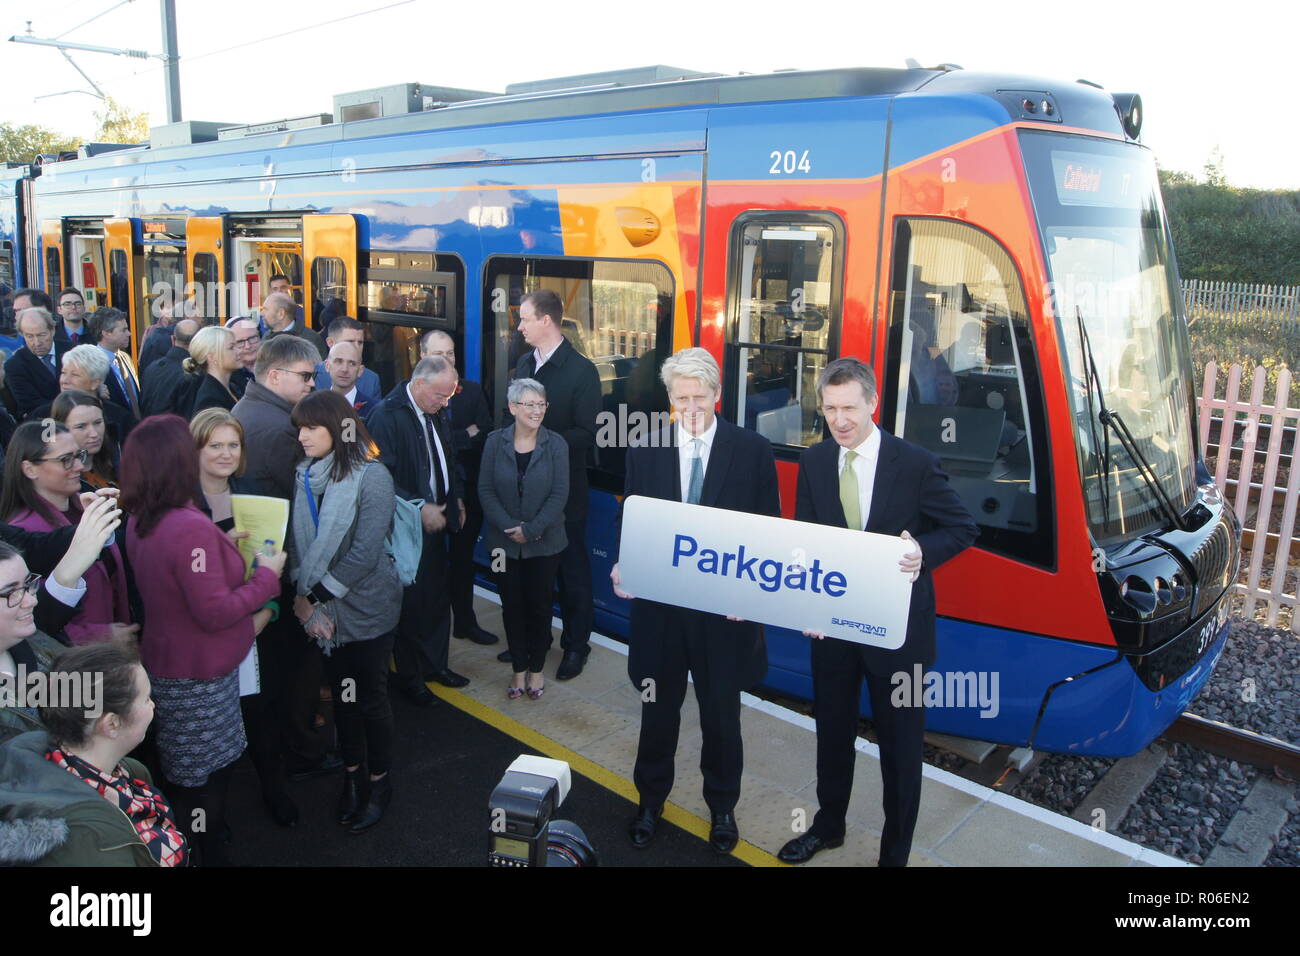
pixel 416 446
pixel 470 420
pixel 707 461
pixel 165 382
pixel 865 479
pixel 573 396
pixel 279 311
pixel 32 372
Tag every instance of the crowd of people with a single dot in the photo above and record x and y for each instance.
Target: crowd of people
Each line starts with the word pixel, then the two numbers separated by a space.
pixel 120 556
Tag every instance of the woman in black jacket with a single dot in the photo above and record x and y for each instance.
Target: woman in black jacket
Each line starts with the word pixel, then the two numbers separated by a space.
pixel 523 485
pixel 212 361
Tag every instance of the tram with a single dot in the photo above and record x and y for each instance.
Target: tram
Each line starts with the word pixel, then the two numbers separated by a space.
pixel 994 245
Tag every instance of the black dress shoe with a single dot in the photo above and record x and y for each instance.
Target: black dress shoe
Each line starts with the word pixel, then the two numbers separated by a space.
pixel 571 666
pixel 449 678
pixel 803 848
pixel 381 792
pixel 351 801
pixel 642 829
pixel 724 834
pixel 504 657
pixel 327 764
pixel 419 695
pixel 479 636
pixel 283 810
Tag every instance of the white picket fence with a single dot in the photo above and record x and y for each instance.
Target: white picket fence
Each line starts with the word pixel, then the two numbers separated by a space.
pixel 1249 434
pixel 1241 302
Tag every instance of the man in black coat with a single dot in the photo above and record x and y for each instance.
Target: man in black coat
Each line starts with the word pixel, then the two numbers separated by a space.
pixel 470 420
pixel 165 382
pixel 416 446
pixel 573 396
pixel 32 372
pixel 279 311
pixel 707 461
pixel 862 477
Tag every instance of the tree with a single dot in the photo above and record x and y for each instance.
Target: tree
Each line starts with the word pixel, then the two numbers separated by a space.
pixel 21 144
pixel 1214 174
pixel 120 124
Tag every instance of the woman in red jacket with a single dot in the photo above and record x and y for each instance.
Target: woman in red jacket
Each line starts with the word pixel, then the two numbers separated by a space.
pixel 200 620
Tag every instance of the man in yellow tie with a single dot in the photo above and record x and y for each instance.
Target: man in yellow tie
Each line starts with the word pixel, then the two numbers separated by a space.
pixel 866 479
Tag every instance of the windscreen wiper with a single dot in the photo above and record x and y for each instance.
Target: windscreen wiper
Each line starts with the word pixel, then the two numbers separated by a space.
pixel 1100 446
pixel 1110 418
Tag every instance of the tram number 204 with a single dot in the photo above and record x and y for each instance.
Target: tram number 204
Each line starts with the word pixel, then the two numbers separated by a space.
pixel 789 161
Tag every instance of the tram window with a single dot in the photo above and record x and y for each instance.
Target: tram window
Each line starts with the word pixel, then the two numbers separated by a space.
pixel 207 287
pixel 424 299
pixel 53 270
pixel 963 381
pixel 785 276
pixel 7 263
pixel 164 278
pixel 617 313
pixel 406 294
pixel 118 282
pixel 329 290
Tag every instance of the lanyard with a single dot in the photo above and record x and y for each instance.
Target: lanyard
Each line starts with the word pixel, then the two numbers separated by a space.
pixel 311 499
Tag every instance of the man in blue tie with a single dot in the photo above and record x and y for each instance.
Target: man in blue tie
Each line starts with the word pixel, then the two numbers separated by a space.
pixel 707 461
pixel 112 332
pixel 32 372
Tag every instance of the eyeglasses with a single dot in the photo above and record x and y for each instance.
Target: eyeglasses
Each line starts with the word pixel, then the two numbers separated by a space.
pixel 31 585
pixel 307 377
pixel 68 460
pixel 247 342
pixel 531 406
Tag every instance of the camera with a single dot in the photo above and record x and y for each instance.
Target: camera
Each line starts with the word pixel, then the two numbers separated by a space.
pixel 521 829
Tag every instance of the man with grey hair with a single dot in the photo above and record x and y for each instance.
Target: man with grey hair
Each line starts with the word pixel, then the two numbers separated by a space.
pixel 280 311
pixel 864 479
pixel 700 460
pixel 248 340
pixel 32 372
pixel 416 446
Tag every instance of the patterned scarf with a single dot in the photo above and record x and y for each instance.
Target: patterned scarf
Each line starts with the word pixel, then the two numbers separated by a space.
pixel 148 812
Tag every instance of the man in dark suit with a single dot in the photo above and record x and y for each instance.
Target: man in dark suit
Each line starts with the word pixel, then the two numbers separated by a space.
pixel 707 461
pixel 573 393
pixel 863 478
pixel 347 329
pixel 415 444
pixel 165 382
pixel 32 372
pixel 108 328
pixel 279 311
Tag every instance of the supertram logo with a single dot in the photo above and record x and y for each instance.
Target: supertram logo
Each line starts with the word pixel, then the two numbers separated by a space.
pixel 873 629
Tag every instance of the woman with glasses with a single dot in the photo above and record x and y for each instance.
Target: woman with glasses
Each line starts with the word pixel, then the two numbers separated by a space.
pixel 213 359
pixel 347 594
pixel 83 413
pixel 201 618
pixel 523 485
pixel 41 482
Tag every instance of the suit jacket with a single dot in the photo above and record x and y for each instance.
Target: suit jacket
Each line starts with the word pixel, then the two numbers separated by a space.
pixel 470 407
pixel 740 476
pixel 397 427
pixel 369 391
pixel 210 393
pixel 304 333
pixel 157 340
pixel 162 383
pixel 911 493
pixel 30 380
pixel 540 510
pixel 115 390
pixel 573 391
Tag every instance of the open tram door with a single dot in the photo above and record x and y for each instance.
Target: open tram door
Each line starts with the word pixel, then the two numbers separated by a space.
pixel 86 259
pixel 52 242
pixel 330 251
pixel 205 253
pixel 122 249
pixel 259 248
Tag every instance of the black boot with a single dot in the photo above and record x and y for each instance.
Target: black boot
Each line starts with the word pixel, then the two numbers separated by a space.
pixel 351 802
pixel 381 792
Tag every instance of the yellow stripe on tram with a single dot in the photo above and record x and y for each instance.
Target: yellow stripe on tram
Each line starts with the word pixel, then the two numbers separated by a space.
pixel 603 776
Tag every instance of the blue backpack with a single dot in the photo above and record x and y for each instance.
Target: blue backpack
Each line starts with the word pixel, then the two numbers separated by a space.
pixel 405 540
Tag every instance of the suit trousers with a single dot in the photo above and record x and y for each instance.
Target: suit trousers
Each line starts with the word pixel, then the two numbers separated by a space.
pixel 722 758
pixel 575 589
pixel 424 630
pixel 463 568
pixel 839 668
pixel 526 587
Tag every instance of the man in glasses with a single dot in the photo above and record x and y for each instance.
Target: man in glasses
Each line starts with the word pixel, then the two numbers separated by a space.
pixel 248 341
pixel 280 311
pixel 416 445
pixel 72 310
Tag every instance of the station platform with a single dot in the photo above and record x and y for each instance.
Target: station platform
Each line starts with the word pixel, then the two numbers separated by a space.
pixel 451 755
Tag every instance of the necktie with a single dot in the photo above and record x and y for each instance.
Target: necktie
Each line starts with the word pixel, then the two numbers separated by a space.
pixel 849 493
pixel 49 363
pixel 697 473
pixel 128 386
pixel 439 484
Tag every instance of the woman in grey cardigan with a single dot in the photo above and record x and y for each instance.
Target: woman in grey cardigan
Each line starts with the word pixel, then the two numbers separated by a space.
pixel 348 594
pixel 523 485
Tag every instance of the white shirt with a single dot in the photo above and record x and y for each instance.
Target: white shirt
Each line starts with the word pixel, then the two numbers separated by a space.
pixel 437 443
pixel 352 396
pixel 541 359
pixel 685 451
pixel 864 469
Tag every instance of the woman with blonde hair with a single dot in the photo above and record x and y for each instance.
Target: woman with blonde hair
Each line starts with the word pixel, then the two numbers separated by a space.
pixel 212 361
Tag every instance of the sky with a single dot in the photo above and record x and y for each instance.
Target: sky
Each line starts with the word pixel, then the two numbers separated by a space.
pixel 1209 76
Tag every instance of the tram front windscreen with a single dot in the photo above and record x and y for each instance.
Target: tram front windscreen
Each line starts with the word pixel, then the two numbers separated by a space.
pixel 1121 325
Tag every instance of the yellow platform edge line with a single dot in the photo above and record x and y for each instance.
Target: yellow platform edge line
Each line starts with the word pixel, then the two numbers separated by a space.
pixel 690 822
